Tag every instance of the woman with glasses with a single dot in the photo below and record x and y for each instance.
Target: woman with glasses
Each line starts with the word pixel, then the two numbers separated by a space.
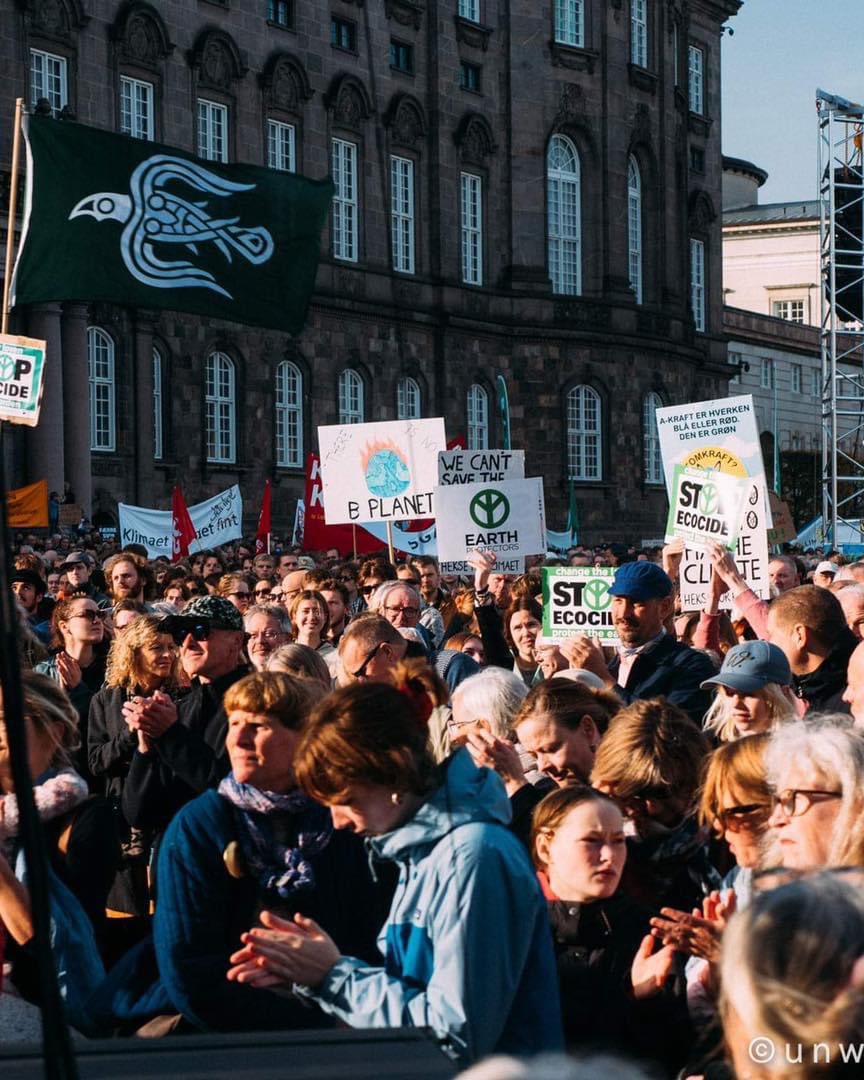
pixel 372 573
pixel 236 589
pixel 262 590
pixel 267 628
pixel 753 692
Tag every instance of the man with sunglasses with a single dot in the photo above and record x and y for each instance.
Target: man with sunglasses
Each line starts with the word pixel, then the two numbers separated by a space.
pixel 187 739
pixel 370 649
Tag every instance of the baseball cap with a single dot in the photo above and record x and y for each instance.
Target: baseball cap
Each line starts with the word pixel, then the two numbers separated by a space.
pixel 213 611
pixel 825 567
pixel 641 581
pixel 749 666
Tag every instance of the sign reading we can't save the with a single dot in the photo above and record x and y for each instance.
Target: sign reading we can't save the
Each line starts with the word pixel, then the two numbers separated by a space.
pixel 576 600
pixel 22 366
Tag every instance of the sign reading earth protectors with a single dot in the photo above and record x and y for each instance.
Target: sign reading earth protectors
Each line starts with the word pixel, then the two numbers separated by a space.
pixel 507 518
pixel 576 601
pixel 705 505
pixel 380 472
pixel 22 364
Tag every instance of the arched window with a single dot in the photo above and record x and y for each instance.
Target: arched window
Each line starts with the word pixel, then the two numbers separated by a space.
pixel 634 227
pixel 564 216
pixel 100 372
pixel 158 431
pixel 652 461
pixel 221 415
pixel 289 416
pixel 408 404
pixel 478 418
pixel 351 406
pixel 584 423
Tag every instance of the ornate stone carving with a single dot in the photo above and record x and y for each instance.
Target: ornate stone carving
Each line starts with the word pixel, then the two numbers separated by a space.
pixel 471 33
pixel 50 16
pixel 54 19
pixel 404 12
pixel 218 60
pixel 576 59
pixel 701 211
pixel 406 121
pixel 215 66
pixel 285 83
pixel 475 139
pixel 349 102
pixel 140 36
pixel 569 104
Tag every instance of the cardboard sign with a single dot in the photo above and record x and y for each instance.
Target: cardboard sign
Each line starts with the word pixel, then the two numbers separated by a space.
pixel 480 466
pixel 69 514
pixel 515 566
pixel 508 518
pixel 783 530
pixel 216 521
pixel 380 472
pixel 576 601
pixel 705 505
pixel 22 369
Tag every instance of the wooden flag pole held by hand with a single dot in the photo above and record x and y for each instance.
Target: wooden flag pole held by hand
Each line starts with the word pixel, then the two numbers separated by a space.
pixel 13 200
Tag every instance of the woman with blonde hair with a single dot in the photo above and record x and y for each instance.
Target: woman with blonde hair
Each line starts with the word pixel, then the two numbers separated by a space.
pixel 753 692
pixel 303 663
pixel 236 588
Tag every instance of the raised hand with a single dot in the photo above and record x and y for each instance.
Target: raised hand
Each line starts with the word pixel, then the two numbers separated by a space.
pixel 650 970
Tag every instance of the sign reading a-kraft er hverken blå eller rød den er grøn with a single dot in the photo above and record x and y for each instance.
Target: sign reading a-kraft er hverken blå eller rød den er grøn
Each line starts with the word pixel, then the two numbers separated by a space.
pixel 22 365
pixel 576 601
pixel 508 519
pixel 705 505
pixel 380 472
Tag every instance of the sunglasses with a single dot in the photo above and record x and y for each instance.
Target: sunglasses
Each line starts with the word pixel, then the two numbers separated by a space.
pixel 360 673
pixel 90 616
pixel 367 589
pixel 743 818
pixel 199 631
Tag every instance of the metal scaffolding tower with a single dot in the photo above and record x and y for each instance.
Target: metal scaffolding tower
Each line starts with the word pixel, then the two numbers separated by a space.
pixel 841 193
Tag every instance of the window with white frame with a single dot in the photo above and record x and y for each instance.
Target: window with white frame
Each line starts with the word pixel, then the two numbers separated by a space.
pixel 796 378
pixel 48 79
pixel 289 416
pixel 652 459
pixel 634 227
pixel 351 406
pixel 564 216
pixel 408 404
pixel 816 383
pixel 697 282
pixel 472 228
pixel 136 108
pixel 402 214
pixel 212 130
pixel 280 146
pixel 158 430
pixel 793 310
pixel 639 32
pixel 570 22
pixel 220 408
pixel 696 79
pixel 100 371
pixel 766 373
pixel 469 9
pixel 345 204
pixel 584 430
pixel 477 408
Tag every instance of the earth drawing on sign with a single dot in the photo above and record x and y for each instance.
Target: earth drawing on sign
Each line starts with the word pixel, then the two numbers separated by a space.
pixel 386 471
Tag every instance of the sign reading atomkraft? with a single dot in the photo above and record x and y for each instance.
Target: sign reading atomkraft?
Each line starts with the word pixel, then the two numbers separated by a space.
pixel 508 519
pixel 22 366
pixel 705 505
pixel 576 601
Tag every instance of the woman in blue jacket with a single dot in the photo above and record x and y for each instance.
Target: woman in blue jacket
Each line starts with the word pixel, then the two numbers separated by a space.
pixel 466 946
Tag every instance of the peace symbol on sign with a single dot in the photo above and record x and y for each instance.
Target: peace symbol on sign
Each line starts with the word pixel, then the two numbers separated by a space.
pixel 708 499
pixel 7 366
pixel 596 595
pixel 489 508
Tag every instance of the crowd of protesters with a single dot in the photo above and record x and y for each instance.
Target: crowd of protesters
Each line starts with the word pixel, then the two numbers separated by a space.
pixel 293 790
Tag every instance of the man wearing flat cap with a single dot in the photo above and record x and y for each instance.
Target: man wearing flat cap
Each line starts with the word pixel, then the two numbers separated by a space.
pixel 78 567
pixel 185 740
pixel 650 662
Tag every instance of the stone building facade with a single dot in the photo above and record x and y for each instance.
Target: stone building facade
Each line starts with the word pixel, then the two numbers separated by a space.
pixel 525 188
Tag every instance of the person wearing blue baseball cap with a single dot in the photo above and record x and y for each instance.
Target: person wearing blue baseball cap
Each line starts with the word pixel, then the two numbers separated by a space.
pixel 753 692
pixel 650 662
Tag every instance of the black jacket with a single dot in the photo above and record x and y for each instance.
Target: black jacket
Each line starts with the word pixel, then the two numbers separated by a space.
pixel 823 688
pixel 672 671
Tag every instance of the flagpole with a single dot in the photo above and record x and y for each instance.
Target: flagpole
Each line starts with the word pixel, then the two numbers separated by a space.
pixel 13 207
pixel 390 542
pixel 354 540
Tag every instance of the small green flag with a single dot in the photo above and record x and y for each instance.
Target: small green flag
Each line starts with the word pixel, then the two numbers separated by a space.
pixel 112 218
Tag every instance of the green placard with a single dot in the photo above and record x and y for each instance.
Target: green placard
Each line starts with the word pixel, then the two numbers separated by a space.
pixel 22 366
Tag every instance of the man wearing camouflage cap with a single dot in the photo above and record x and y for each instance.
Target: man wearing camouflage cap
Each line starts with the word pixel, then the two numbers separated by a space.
pixel 186 740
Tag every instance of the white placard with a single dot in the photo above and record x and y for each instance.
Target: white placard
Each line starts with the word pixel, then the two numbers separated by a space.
pixel 576 601
pixel 508 518
pixel 216 521
pixel 480 466
pixel 705 505
pixel 22 378
pixel 514 565
pixel 380 472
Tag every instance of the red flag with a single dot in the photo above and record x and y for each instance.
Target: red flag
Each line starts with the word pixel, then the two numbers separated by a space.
pixel 184 530
pixel 264 527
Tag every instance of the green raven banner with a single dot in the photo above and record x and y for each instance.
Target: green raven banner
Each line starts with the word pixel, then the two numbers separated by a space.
pixel 112 218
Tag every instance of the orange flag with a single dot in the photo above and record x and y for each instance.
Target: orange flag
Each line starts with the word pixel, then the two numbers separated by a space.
pixel 27 507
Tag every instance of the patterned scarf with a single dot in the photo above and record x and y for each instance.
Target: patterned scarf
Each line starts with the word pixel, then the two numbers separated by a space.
pixel 277 867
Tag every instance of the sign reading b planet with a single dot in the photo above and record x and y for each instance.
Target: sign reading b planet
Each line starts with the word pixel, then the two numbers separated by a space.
pixel 576 600
pixel 22 365
pixel 706 505
pixel 507 518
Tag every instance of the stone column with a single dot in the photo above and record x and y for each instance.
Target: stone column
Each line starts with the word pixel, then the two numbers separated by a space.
pixel 76 397
pixel 45 446
pixel 142 408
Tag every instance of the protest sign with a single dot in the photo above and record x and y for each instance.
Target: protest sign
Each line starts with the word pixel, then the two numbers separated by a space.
pixel 22 367
pixel 514 565
pixel 380 472
pixel 480 466
pixel 507 518
pixel 576 601
pixel 783 530
pixel 216 521
pixel 705 505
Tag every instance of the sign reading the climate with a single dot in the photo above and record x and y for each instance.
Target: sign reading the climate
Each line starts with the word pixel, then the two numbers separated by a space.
pixel 380 472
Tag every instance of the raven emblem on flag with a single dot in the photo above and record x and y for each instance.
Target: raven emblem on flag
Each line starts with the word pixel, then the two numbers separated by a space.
pixel 155 216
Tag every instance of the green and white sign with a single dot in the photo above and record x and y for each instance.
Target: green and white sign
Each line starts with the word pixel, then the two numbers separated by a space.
pixel 508 518
pixel 22 365
pixel 576 601
pixel 706 505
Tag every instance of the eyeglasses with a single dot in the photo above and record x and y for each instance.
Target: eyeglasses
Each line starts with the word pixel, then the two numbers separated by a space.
pixel 199 631
pixel 410 612
pixel 366 589
pixel 276 594
pixel 797 801
pixel 743 818
pixel 262 594
pixel 346 580
pixel 265 635
pixel 242 595
pixel 360 673
pixel 89 614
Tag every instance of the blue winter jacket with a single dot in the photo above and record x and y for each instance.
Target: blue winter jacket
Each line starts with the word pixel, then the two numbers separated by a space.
pixel 467 944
